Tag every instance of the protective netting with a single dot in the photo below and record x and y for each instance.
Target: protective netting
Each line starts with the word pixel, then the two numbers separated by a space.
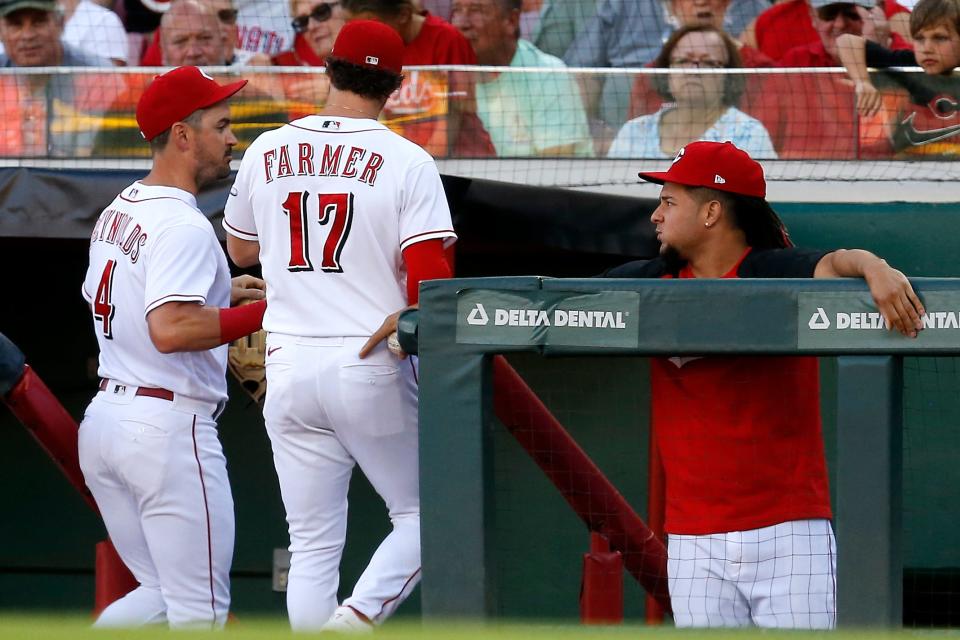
pixel 804 128
pixel 550 92
pixel 931 491
pixel 539 539
pixel 604 404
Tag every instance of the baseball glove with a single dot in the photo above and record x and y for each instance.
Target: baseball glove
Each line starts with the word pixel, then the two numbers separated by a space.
pixel 245 359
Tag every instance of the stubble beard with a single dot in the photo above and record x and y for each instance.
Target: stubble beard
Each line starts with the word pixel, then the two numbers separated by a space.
pixel 672 258
pixel 211 172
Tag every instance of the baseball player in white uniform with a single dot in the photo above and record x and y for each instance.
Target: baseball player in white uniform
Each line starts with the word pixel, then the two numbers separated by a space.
pixel 157 286
pixel 346 219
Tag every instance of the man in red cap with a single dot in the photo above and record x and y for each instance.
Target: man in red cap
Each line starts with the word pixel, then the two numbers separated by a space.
pixel 739 438
pixel 346 218
pixel 160 291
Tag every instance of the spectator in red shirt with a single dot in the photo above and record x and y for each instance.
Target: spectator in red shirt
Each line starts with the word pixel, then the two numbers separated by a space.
pixel 830 20
pixel 443 130
pixel 789 24
pixel 813 116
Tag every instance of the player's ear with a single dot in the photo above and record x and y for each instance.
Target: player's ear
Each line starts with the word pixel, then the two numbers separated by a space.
pixel 180 135
pixel 714 212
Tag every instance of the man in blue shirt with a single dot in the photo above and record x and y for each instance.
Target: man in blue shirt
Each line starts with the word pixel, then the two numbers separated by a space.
pixel 527 114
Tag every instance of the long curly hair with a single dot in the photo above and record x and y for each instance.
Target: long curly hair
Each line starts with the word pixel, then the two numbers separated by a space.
pixel 760 224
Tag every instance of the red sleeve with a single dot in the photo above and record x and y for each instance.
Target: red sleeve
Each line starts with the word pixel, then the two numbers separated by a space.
pixel 460 51
pixel 899 43
pixel 892 8
pixel 754 58
pixel 153 56
pixel 473 141
pixel 425 261
pixel 449 45
pixel 644 97
pixel 784 26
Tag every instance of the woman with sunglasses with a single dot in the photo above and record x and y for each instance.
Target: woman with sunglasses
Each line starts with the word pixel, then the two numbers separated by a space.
pixel 316 23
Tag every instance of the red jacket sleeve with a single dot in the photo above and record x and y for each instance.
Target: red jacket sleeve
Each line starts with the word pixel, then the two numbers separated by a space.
pixel 153 56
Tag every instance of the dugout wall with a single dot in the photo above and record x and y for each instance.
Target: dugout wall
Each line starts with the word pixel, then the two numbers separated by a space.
pixel 462 323
pixel 47 534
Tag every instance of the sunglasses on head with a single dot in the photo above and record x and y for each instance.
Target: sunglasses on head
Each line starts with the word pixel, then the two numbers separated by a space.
pixel 830 12
pixel 320 13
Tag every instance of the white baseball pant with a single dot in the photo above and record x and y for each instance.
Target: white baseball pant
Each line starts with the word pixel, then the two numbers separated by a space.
pixel 781 576
pixel 326 410
pixel 158 474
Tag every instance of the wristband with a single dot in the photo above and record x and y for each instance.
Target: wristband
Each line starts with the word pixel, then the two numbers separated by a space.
pixel 240 321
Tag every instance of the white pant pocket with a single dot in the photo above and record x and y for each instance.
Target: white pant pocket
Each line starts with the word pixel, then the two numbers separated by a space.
pixel 371 397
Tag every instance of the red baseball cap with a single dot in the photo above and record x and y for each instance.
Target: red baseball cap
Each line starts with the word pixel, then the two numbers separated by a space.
pixel 716 165
pixel 369 43
pixel 176 94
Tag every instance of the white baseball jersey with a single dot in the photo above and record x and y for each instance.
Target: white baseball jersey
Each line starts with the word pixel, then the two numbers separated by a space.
pixel 333 202
pixel 151 246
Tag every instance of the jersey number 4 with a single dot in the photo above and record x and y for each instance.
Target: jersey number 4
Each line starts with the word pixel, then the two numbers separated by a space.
pixel 103 308
pixel 335 210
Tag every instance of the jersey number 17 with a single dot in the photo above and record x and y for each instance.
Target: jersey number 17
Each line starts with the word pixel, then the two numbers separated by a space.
pixel 335 210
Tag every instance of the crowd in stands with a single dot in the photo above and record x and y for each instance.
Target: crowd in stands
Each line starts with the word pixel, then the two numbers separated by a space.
pixel 519 111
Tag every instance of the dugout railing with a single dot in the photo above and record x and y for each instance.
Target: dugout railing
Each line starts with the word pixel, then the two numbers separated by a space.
pixel 463 323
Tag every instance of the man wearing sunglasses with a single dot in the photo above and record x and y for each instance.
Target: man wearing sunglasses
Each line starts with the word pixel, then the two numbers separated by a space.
pixel 818 120
pixel 793 23
pixel 830 21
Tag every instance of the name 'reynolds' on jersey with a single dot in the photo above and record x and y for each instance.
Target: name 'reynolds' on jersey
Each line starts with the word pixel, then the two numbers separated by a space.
pixel 111 228
pixel 333 161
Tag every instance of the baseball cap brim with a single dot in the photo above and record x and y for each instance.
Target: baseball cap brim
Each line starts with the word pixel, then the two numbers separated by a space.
pixel 658 177
pixel 40 5
pixel 820 4
pixel 224 92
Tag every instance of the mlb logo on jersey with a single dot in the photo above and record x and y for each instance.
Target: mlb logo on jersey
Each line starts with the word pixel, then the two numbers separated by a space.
pixel 331 124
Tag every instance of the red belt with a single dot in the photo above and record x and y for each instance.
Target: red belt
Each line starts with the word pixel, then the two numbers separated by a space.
pixel 149 392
